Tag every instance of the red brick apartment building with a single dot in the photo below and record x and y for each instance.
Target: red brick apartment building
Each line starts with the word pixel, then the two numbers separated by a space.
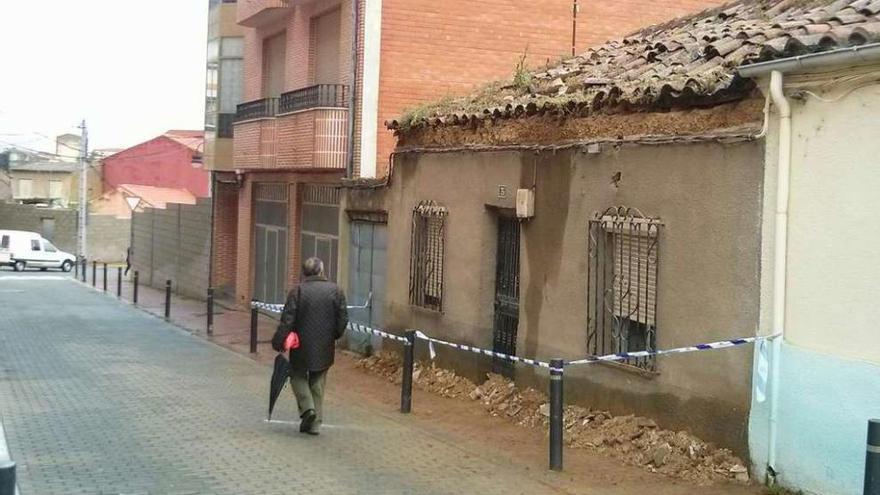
pixel 319 79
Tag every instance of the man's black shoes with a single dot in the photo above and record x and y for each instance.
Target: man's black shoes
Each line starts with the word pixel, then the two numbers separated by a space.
pixel 308 421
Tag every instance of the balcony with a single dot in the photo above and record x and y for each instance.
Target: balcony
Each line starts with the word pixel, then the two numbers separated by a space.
pixel 319 96
pixel 257 109
pixel 256 13
pixel 304 129
pixel 255 134
pixel 313 127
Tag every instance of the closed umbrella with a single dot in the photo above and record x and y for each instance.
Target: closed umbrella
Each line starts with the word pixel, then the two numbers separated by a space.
pixel 279 377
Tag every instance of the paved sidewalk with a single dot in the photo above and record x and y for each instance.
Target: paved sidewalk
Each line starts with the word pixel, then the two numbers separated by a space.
pixel 98 397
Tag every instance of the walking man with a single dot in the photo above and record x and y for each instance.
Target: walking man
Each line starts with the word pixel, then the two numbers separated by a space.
pixel 127 260
pixel 317 311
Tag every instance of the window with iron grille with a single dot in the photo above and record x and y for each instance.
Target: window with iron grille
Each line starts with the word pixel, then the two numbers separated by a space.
pixel 426 258
pixel 622 284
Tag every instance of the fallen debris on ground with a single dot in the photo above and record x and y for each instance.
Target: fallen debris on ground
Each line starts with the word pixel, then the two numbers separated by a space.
pixel 635 440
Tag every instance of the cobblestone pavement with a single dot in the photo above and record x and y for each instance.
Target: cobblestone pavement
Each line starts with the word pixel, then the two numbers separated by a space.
pixel 100 398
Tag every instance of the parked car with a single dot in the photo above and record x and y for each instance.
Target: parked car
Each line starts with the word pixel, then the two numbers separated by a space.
pixel 22 250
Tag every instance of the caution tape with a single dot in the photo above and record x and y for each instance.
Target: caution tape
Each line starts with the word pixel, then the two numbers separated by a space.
pixel 357 327
pixel 721 344
pixel 486 352
pixel 620 356
pixel 278 308
pixel 272 308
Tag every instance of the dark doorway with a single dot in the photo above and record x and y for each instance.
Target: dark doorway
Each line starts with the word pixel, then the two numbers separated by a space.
pixel 506 293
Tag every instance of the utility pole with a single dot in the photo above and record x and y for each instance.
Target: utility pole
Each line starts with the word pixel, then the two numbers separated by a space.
pixel 83 188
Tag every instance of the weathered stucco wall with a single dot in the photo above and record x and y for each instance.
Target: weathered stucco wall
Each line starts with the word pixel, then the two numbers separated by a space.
pixel 830 360
pixel 708 196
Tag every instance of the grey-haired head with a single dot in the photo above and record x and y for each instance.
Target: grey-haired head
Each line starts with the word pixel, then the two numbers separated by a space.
pixel 313 266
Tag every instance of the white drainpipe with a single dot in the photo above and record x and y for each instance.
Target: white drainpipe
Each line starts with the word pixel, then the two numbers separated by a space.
pixel 783 180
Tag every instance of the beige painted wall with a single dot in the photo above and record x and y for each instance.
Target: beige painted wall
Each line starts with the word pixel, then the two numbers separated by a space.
pixel 708 196
pixel 833 236
pixel 40 184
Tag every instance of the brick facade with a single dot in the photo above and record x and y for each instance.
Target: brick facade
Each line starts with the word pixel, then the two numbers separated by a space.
pixel 225 240
pixel 244 281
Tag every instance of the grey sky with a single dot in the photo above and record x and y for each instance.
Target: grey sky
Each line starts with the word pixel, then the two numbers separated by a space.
pixel 132 69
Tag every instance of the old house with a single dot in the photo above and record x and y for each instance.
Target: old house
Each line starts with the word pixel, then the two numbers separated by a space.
pixel 38 177
pixel 612 202
pixel 320 78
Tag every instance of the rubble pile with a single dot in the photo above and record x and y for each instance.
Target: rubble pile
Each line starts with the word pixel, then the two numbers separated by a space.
pixel 634 440
pixel 384 363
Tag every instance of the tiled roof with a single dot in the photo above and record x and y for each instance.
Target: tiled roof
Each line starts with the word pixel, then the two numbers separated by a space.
pixel 114 203
pixel 194 140
pixel 685 63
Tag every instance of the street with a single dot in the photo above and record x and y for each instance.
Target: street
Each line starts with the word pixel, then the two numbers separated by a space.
pixel 98 397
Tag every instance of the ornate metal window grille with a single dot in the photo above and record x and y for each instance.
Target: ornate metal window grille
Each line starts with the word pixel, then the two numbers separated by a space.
pixel 622 274
pixel 426 259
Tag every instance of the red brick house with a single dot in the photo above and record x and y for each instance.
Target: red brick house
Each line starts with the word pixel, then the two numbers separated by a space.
pixel 320 78
pixel 172 160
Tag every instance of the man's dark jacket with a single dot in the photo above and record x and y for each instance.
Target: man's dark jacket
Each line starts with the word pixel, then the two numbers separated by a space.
pixel 317 311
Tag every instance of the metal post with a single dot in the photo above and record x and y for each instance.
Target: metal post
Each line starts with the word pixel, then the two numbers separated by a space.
pixel 94 273
pixel 167 299
pixel 135 296
pixel 872 459
pixel 556 375
pixel 84 265
pixel 105 277
pixel 254 316
pixel 118 281
pixel 210 326
pixel 406 383
pixel 76 269
pixel 7 478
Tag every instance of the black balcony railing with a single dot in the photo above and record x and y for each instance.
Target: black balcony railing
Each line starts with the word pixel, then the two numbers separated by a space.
pixel 224 124
pixel 321 95
pixel 257 109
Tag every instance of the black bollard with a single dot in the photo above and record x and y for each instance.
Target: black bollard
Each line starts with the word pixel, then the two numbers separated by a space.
pixel 105 277
pixel 76 269
pixel 119 281
pixel 167 299
pixel 84 265
pixel 94 273
pixel 135 295
pixel 7 478
pixel 210 324
pixel 556 375
pixel 872 459
pixel 254 316
pixel 408 361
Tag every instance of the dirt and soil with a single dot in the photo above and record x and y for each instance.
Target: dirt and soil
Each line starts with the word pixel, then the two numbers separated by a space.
pixel 630 440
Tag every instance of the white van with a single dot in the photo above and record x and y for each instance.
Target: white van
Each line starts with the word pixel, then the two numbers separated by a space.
pixel 22 250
